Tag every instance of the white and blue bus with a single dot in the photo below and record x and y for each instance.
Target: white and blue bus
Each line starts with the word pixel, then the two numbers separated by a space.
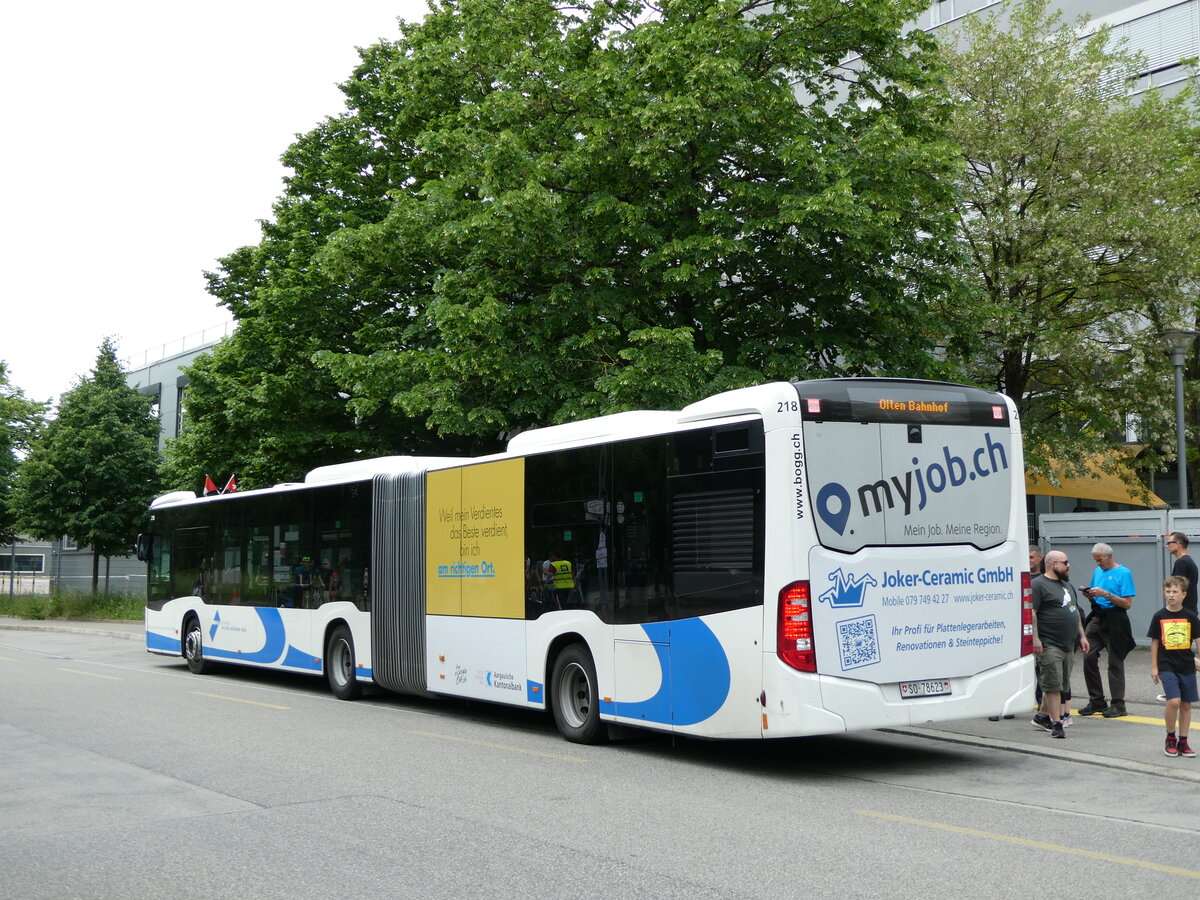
pixel 782 560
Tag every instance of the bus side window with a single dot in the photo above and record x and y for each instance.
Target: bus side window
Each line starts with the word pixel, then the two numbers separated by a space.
pixel 160 568
pixel 640 548
pixel 191 564
pixel 716 519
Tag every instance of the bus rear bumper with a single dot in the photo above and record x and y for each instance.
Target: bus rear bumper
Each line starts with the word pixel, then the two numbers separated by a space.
pixel 862 705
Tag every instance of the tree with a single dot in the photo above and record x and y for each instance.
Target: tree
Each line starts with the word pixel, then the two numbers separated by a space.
pixel 20 419
pixel 616 205
pixel 92 471
pixel 531 213
pixel 1079 216
pixel 256 405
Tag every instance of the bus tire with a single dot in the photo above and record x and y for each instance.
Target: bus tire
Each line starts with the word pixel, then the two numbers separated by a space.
pixel 193 646
pixel 574 697
pixel 340 666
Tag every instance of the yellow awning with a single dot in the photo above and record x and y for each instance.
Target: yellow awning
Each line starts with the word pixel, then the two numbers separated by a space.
pixel 1098 485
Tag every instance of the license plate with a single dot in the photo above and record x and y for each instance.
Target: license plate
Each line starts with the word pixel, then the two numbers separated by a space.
pixel 938 687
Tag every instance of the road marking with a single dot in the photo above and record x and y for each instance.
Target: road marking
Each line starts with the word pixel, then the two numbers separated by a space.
pixel 1141 720
pixel 238 700
pixel 1040 845
pixel 92 674
pixel 509 747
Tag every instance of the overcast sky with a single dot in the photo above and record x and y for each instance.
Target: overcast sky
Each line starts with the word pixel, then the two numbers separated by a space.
pixel 141 141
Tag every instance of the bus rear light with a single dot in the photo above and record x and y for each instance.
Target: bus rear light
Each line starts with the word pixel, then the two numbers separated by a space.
pixel 1026 615
pixel 794 635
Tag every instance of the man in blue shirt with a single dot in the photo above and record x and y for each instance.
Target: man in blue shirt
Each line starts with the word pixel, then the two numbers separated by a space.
pixel 1108 628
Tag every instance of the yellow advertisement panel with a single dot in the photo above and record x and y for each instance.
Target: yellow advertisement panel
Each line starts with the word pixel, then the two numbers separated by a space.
pixel 475 536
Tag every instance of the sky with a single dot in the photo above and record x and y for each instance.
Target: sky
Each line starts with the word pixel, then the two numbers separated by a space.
pixel 141 143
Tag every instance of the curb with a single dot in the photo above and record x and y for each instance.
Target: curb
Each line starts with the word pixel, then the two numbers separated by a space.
pixel 1066 754
pixel 77 626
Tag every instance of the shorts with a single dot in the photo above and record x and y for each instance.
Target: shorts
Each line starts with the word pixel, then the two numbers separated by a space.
pixel 1179 685
pixel 1054 665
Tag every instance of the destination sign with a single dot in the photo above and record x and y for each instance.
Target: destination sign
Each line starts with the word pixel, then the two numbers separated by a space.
pixel 924 406
pixel 894 400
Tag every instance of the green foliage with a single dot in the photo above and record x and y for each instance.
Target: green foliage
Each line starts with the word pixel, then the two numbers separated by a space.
pixel 1079 217
pixel 20 420
pixel 610 207
pixel 73 605
pixel 92 471
pixel 531 213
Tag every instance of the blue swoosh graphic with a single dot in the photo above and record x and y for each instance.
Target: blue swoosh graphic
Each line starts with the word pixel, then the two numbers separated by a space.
pixel 297 660
pixel 159 643
pixel 695 675
pixel 274 640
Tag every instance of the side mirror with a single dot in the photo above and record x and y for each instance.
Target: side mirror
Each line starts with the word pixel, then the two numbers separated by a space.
pixel 144 544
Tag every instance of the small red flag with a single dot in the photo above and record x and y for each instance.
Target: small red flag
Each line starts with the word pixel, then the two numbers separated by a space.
pixel 231 485
pixel 209 486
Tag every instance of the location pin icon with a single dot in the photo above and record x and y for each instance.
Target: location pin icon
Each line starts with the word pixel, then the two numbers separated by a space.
pixel 835 518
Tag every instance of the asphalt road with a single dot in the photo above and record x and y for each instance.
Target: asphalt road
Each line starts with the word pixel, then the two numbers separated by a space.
pixel 123 775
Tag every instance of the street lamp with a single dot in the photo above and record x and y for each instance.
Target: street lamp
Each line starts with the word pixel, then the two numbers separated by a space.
pixel 1178 342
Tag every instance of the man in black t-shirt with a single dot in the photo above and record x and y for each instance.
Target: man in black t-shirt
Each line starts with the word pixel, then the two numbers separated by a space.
pixel 1185 566
pixel 1057 630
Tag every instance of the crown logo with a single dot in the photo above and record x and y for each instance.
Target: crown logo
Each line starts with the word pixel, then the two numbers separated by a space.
pixel 847 591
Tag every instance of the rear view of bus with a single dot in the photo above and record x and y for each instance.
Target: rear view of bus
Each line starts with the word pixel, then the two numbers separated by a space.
pixel 907 596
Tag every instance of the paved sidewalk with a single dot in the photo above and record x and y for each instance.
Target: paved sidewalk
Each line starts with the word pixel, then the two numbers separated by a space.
pixel 130 630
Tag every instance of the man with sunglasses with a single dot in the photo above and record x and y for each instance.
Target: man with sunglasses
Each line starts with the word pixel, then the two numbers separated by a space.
pixel 1057 631
pixel 1185 566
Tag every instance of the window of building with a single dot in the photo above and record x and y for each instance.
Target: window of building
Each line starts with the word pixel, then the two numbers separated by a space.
pixel 27 563
pixel 1164 37
pixel 180 396
pixel 944 11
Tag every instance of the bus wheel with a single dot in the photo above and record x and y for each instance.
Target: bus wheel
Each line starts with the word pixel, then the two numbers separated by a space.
pixel 193 646
pixel 339 665
pixel 574 697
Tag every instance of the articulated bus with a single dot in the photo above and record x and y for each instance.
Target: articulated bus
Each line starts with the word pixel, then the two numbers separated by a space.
pixel 782 560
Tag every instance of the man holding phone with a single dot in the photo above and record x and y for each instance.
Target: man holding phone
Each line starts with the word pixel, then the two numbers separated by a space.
pixel 1108 628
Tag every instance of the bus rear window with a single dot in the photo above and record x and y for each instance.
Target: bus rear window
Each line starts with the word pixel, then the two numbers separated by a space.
pixel 895 483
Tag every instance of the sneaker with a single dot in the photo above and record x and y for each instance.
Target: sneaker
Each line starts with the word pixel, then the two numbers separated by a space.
pixel 1172 746
pixel 1093 709
pixel 1184 749
pixel 1161 698
pixel 1066 720
pixel 1057 731
pixel 993 718
pixel 1115 711
pixel 1041 721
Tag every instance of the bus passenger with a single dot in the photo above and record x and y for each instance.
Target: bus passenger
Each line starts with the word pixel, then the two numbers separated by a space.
pixel 302 582
pixel 562 578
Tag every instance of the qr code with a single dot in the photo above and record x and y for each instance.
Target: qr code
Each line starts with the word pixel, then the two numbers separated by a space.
pixel 858 642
